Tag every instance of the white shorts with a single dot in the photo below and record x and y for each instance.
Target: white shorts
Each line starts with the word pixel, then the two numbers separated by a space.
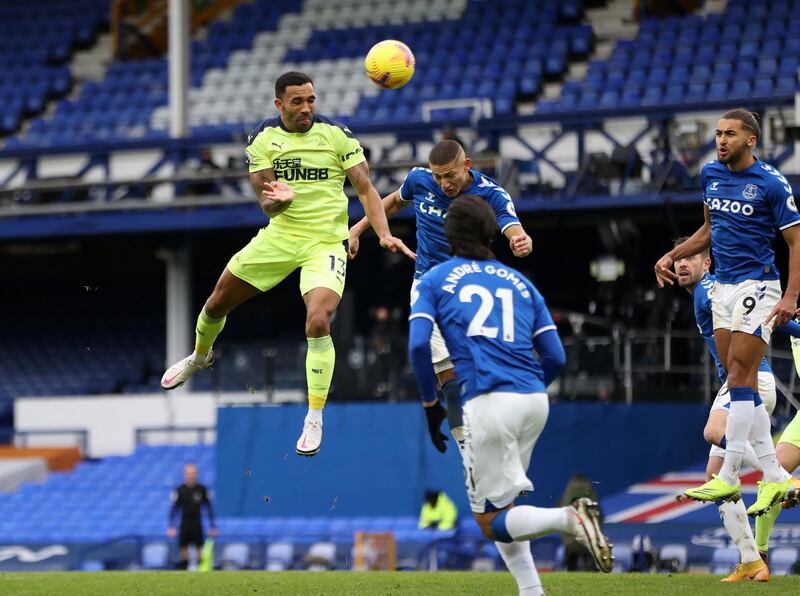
pixel 745 306
pixel 440 355
pixel 500 431
pixel 766 391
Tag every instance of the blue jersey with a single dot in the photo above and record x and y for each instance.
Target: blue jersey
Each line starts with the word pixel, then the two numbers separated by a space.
pixel 745 209
pixel 430 209
pixel 705 325
pixel 488 314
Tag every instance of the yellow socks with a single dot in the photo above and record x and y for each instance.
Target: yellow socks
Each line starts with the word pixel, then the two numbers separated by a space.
pixel 764 525
pixel 320 360
pixel 206 332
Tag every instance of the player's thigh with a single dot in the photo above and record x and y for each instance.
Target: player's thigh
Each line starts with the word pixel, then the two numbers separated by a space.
pixel 722 339
pixel 744 357
pixel 266 260
pixel 766 390
pixel 323 265
pixel 788 449
pixel 537 409
pixel 229 292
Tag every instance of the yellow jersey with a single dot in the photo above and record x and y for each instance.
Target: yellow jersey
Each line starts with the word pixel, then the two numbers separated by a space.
pixel 313 163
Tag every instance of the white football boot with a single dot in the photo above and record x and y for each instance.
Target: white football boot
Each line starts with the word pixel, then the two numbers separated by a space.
pixel 181 371
pixel 586 528
pixel 310 441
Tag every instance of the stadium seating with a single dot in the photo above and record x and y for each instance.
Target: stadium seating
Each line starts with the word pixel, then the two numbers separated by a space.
pixel 783 560
pixel 673 557
pixel 234 67
pixel 130 497
pixel 723 560
pixel 155 555
pixel 678 61
pixel 500 52
pixel 34 51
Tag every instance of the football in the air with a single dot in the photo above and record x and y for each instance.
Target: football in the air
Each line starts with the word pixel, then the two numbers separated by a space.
pixel 390 64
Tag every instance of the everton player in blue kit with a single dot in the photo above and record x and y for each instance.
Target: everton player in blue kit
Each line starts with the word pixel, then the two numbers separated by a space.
pixel 492 318
pixel 746 200
pixel 693 275
pixel 431 190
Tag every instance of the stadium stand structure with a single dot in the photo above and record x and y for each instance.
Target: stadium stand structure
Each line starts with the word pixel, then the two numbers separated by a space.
pixel 501 52
pixel 234 68
pixel 748 52
pixel 34 52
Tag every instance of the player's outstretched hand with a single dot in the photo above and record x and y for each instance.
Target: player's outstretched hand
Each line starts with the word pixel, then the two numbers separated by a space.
pixel 783 312
pixel 394 244
pixel 521 245
pixel 171 533
pixel 664 272
pixel 277 191
pixel 352 245
pixel 435 414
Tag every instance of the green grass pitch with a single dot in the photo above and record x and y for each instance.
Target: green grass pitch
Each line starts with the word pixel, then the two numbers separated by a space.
pixel 374 583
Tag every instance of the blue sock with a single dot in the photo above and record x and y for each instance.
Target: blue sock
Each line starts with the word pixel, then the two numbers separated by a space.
pixel 499 530
pixel 741 394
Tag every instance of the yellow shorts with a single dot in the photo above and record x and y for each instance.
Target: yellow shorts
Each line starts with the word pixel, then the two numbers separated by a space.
pixel 791 434
pixel 270 257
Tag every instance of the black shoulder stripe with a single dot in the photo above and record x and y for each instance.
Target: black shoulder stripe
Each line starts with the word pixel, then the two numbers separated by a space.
pixel 339 125
pixel 268 123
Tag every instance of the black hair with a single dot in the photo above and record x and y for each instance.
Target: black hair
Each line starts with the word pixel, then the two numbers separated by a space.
pixel 290 78
pixel 748 119
pixel 470 226
pixel 444 152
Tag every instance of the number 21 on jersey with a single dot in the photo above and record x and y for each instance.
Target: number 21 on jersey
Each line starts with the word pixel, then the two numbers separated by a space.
pixel 487 305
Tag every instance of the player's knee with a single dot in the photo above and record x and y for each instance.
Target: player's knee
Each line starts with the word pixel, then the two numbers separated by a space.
pixel 318 324
pixel 214 307
pixel 486 527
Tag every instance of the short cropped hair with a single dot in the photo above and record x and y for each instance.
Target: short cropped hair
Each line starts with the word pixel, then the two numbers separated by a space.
pixel 444 152
pixel 703 253
pixel 470 226
pixel 290 78
pixel 748 119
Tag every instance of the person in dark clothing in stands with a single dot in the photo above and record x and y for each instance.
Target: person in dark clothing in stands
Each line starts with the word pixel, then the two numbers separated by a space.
pixel 190 497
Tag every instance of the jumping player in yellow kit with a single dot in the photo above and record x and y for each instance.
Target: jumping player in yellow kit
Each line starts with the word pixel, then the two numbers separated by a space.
pixel 298 163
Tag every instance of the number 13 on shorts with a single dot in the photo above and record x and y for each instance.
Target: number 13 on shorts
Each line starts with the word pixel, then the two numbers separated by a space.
pixel 338 265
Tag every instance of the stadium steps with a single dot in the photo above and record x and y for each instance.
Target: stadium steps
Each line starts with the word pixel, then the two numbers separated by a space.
pixel 614 21
pixel 89 64
pixel 713 7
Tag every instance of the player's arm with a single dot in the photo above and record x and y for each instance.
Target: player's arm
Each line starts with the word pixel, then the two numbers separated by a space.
pixel 419 353
pixel 697 242
pixel 172 513
pixel 551 352
pixel 207 502
pixel 784 311
pixel 373 207
pixel 792 328
pixel 273 197
pixel 521 244
pixel 420 328
pixel 392 205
